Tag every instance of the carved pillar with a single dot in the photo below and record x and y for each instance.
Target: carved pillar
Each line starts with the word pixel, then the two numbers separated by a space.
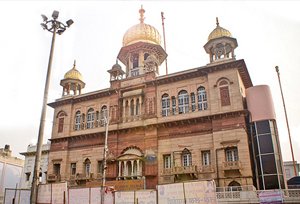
pixel 125 169
pixel 138 167
pixel 132 162
pixel 124 109
pixel 120 165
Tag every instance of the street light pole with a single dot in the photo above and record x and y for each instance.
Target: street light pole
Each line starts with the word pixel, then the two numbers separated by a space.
pixel 106 120
pixel 54 27
pixel 287 122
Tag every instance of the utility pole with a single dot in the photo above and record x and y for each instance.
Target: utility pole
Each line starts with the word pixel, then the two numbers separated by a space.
pixel 54 27
pixel 105 151
pixel 287 122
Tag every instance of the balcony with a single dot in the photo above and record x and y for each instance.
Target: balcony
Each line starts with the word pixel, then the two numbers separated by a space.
pixel 179 170
pixel 53 177
pixel 206 169
pixel 232 165
pixel 84 176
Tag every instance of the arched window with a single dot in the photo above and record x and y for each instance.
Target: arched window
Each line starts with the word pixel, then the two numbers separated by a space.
pixel 103 115
pixel 165 104
pixel 183 102
pixel 77 120
pixel 135 61
pixel 90 118
pixel 224 92
pixel 146 55
pixel 87 167
pixel 186 158
pixel 61 117
pixel 202 99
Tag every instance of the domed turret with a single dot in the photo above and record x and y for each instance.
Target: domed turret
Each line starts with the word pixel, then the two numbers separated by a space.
pixel 139 42
pixel 72 82
pixel 220 45
pixel 73 74
pixel 219 32
pixel 141 32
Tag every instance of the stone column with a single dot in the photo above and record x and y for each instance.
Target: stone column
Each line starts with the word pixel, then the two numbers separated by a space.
pixel 120 165
pixel 138 167
pixel 132 162
pixel 125 168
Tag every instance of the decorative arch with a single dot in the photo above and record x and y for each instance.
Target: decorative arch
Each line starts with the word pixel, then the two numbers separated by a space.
pixel 90 118
pixel 202 98
pixel 165 104
pixel 183 102
pixel 132 150
pixel 61 113
pixel 61 120
pixel 130 163
pixel 223 84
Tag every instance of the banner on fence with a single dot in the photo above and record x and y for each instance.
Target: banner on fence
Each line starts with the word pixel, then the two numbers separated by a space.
pixel 146 196
pixel 124 197
pixel 79 195
pixel 170 193
pixel 44 193
pixel 21 196
pixel 270 196
pixel 200 192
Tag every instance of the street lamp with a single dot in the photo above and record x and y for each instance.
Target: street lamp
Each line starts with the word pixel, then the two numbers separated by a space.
pixel 53 26
pixel 287 122
pixel 106 121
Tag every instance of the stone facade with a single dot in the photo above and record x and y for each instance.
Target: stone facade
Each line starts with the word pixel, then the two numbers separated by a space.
pixel 189 125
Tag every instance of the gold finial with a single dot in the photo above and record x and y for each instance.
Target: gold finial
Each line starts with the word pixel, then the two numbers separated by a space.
pixel 217 21
pixel 142 11
pixel 74 65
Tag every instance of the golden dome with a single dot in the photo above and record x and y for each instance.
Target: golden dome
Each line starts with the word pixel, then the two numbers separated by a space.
pixel 73 73
pixel 219 32
pixel 141 32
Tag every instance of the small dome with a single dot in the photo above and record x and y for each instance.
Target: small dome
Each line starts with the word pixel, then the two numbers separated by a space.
pixel 141 32
pixel 73 73
pixel 116 66
pixel 219 32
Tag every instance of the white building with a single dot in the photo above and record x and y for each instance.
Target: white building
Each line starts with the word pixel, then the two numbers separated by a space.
pixel 10 170
pixel 29 164
pixel 289 169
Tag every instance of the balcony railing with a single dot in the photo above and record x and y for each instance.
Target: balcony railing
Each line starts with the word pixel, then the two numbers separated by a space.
pixel 232 165
pixel 53 177
pixel 180 170
pixel 84 176
pixel 206 169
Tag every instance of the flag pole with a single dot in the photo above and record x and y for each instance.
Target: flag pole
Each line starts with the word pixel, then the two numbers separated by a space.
pixel 163 25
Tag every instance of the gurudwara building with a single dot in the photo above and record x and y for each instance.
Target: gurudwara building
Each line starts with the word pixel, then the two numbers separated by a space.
pixel 204 123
